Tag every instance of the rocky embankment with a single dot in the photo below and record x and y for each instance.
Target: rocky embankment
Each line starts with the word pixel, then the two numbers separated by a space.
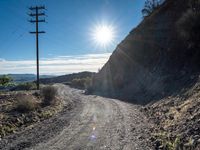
pixel 177 120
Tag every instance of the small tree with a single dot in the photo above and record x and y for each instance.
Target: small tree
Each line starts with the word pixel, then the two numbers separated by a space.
pixel 4 80
pixel 150 6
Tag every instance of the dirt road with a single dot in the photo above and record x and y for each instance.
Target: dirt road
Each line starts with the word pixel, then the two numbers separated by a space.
pixel 94 123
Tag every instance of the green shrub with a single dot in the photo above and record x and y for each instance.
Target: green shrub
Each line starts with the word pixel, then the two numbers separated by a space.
pixel 4 80
pixel 167 142
pixel 82 83
pixel 88 86
pixel 49 95
pixel 87 82
pixel 26 103
pixel 150 6
pixel 25 86
pixel 77 83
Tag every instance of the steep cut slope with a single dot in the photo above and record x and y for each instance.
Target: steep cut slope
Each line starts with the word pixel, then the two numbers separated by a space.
pixel 152 61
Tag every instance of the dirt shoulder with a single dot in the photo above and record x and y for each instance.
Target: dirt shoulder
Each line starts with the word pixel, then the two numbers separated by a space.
pixel 25 108
pixel 15 123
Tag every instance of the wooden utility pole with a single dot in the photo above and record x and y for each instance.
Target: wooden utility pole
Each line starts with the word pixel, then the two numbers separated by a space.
pixel 35 13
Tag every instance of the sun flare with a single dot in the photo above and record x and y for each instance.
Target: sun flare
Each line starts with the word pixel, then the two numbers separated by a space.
pixel 103 35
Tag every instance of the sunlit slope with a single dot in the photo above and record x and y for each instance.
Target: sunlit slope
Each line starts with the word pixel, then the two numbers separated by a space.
pixel 153 61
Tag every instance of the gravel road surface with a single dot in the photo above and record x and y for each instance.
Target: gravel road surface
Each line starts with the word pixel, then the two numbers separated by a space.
pixel 91 123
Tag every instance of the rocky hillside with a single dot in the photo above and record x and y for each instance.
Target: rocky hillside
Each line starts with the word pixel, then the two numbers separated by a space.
pixel 153 61
pixel 176 120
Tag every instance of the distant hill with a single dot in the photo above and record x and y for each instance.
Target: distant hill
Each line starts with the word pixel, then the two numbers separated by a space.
pixel 26 77
pixel 66 78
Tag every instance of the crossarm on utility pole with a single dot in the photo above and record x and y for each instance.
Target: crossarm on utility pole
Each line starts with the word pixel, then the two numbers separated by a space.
pixel 39 32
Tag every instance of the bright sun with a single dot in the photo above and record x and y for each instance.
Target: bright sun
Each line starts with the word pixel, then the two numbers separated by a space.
pixel 103 35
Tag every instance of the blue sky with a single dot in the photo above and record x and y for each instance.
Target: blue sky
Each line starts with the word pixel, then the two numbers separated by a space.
pixel 69 26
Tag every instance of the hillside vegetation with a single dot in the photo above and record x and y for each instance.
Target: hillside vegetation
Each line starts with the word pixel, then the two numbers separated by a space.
pixel 67 78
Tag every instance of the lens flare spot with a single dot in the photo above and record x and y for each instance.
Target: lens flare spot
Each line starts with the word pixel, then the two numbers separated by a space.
pixel 93 137
pixel 93 128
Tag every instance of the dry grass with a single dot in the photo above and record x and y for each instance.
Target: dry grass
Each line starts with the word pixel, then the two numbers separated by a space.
pixel 49 95
pixel 26 103
pixel 25 108
pixel 179 112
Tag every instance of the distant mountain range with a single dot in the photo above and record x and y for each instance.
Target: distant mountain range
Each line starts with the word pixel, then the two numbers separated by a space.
pixel 26 77
pixel 48 79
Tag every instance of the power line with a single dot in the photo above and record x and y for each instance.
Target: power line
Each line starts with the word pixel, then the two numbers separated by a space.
pixel 35 13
